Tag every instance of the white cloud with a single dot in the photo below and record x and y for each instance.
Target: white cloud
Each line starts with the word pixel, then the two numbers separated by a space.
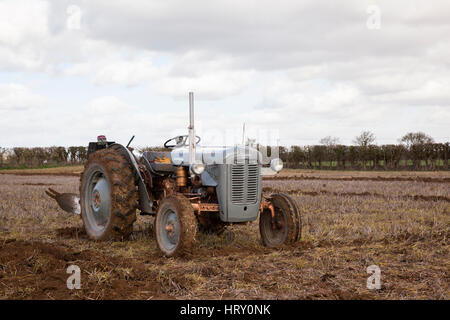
pixel 15 96
pixel 129 73
pixel 211 85
pixel 308 67
pixel 22 21
pixel 438 115
pixel 108 105
pixel 23 31
pixel 185 73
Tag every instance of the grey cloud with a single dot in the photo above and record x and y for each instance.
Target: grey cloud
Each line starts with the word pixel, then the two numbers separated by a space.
pixel 263 34
pixel 294 55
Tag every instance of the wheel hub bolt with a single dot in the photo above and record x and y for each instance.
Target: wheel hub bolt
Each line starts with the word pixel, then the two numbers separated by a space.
pixel 169 228
pixel 96 199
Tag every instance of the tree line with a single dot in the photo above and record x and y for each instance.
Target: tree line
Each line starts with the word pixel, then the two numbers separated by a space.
pixel 42 156
pixel 414 151
pixel 430 156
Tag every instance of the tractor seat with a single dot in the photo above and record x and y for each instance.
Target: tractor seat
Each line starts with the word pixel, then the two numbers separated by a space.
pixel 160 160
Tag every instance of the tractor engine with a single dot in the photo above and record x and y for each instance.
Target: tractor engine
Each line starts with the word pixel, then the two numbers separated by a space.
pixel 223 180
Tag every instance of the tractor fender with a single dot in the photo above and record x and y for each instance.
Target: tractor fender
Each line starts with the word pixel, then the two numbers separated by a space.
pixel 144 198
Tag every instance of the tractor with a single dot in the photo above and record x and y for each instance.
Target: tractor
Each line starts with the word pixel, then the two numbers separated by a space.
pixel 188 188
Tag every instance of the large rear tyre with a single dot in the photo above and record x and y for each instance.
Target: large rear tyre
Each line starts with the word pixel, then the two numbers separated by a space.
pixel 285 227
pixel 175 226
pixel 108 196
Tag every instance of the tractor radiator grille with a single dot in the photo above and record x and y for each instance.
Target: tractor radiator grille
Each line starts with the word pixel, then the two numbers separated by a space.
pixel 244 183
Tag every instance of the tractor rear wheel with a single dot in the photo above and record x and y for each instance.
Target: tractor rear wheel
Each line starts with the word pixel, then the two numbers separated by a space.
pixel 175 226
pixel 285 227
pixel 108 196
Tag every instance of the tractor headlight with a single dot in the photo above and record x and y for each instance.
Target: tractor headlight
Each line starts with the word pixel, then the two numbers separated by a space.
pixel 276 164
pixel 197 168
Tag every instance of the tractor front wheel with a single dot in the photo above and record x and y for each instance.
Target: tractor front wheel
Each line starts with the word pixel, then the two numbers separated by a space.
pixel 284 227
pixel 175 226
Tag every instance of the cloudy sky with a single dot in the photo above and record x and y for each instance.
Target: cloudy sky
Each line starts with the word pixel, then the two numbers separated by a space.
pixel 293 70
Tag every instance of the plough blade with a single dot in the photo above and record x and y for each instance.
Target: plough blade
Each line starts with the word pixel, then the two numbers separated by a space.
pixel 69 202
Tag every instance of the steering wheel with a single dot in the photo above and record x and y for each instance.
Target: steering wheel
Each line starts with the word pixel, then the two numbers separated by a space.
pixel 180 141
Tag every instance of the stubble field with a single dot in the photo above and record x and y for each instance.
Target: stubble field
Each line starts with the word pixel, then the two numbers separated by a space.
pixel 399 221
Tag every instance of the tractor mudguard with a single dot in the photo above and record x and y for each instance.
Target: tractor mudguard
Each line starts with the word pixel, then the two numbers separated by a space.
pixel 144 198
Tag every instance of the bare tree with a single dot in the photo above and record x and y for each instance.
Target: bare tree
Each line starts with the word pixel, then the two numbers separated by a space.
pixel 329 141
pixel 2 152
pixel 365 139
pixel 416 138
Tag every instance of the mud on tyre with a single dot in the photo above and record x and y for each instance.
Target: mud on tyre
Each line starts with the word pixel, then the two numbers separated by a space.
pixel 175 226
pixel 286 226
pixel 108 196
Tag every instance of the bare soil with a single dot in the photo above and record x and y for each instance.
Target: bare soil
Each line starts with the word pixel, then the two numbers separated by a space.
pixel 403 226
pixel 73 171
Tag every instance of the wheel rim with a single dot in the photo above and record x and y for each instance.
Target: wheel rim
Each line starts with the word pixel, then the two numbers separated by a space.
pixel 275 232
pixel 98 200
pixel 169 229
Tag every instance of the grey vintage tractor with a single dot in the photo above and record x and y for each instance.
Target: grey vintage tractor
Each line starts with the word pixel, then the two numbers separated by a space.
pixel 188 188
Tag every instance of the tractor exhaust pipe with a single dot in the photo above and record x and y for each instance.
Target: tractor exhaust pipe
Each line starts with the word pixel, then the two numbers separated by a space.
pixel 196 167
pixel 191 129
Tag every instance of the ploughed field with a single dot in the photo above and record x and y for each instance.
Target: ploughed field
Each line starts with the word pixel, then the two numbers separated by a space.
pixel 399 221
